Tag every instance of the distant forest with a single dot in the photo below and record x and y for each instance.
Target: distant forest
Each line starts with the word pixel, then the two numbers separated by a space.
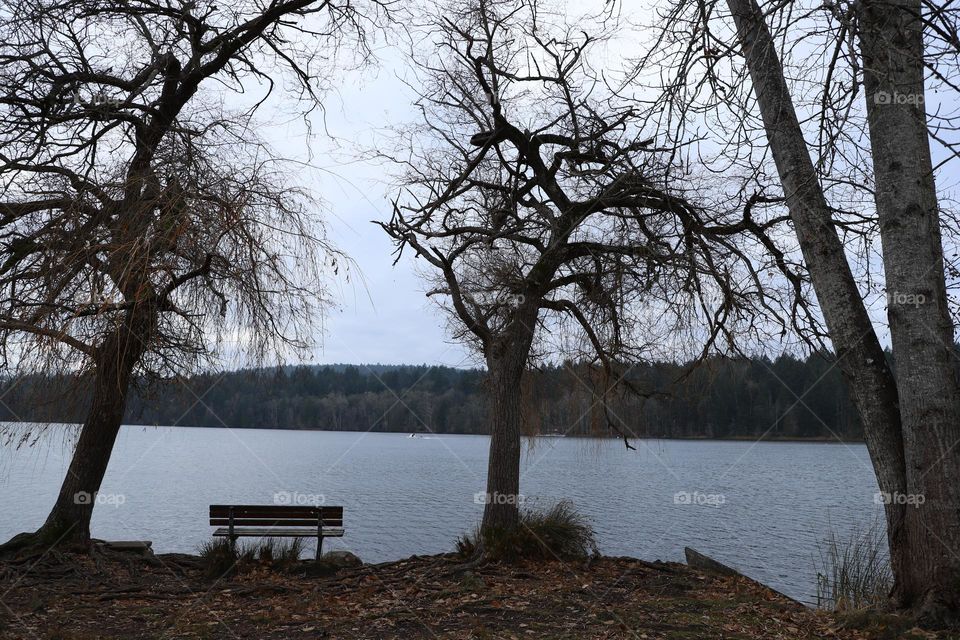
pixel 721 398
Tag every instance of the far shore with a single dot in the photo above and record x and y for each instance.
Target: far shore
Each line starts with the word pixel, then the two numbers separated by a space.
pixel 735 438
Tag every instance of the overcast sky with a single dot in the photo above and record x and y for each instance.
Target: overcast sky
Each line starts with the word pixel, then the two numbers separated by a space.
pixel 381 314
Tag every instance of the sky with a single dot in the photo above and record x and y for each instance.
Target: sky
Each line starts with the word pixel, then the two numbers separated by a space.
pixel 380 312
pixel 381 315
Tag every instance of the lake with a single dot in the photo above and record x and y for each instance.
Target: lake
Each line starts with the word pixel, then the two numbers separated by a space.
pixel 760 507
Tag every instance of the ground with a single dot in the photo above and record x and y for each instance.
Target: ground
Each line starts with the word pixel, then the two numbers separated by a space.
pixel 123 595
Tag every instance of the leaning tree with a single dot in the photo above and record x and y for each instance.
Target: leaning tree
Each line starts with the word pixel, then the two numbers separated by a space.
pixel 144 228
pixel 828 105
pixel 552 225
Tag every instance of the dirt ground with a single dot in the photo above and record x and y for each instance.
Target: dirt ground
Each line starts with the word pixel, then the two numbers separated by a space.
pixel 122 595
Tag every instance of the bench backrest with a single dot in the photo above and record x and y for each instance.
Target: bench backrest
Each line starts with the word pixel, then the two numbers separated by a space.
pixel 251 515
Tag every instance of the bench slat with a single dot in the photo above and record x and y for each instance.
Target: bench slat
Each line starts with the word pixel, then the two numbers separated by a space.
pixel 284 532
pixel 276 522
pixel 273 511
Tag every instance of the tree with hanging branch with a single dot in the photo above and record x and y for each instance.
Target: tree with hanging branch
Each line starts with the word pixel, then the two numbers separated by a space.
pixel 145 230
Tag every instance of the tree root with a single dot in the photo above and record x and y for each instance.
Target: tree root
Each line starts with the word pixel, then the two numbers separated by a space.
pixel 20 542
pixel 476 560
pixel 25 546
pixel 935 614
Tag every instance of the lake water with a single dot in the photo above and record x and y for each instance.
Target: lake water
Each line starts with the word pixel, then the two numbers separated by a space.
pixel 760 507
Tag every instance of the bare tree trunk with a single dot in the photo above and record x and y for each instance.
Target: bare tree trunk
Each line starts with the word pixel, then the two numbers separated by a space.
pixel 503 466
pixel 69 521
pixel 506 362
pixel 891 41
pixel 859 354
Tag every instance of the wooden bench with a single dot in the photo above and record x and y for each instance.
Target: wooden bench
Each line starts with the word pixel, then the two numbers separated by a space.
pixel 283 521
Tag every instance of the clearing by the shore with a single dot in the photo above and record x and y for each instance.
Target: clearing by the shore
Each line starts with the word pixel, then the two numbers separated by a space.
pixel 66 597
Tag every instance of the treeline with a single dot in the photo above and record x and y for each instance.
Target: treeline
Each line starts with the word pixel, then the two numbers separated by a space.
pixel 721 398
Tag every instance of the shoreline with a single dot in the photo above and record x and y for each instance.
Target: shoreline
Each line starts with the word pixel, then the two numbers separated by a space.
pixel 761 438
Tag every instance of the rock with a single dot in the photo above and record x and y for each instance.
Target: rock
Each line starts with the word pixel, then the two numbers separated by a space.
pixel 697 560
pixel 318 569
pixel 471 582
pixel 341 559
pixel 705 563
pixel 330 563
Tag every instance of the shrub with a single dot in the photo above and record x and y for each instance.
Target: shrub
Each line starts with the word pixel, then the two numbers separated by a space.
pixel 854 573
pixel 559 532
pixel 467 544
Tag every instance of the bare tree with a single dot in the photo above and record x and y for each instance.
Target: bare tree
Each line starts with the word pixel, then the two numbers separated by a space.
pixel 145 230
pixel 870 76
pixel 552 225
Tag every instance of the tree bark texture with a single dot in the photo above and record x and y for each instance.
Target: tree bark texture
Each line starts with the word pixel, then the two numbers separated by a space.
pixel 859 353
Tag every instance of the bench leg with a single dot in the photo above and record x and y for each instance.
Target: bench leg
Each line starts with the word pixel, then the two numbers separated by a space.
pixel 319 546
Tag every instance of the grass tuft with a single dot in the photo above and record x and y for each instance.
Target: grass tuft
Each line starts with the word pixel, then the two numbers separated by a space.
pixel 559 532
pixel 854 572
pixel 280 553
pixel 221 559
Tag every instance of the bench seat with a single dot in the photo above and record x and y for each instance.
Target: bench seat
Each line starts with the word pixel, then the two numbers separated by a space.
pixel 283 532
